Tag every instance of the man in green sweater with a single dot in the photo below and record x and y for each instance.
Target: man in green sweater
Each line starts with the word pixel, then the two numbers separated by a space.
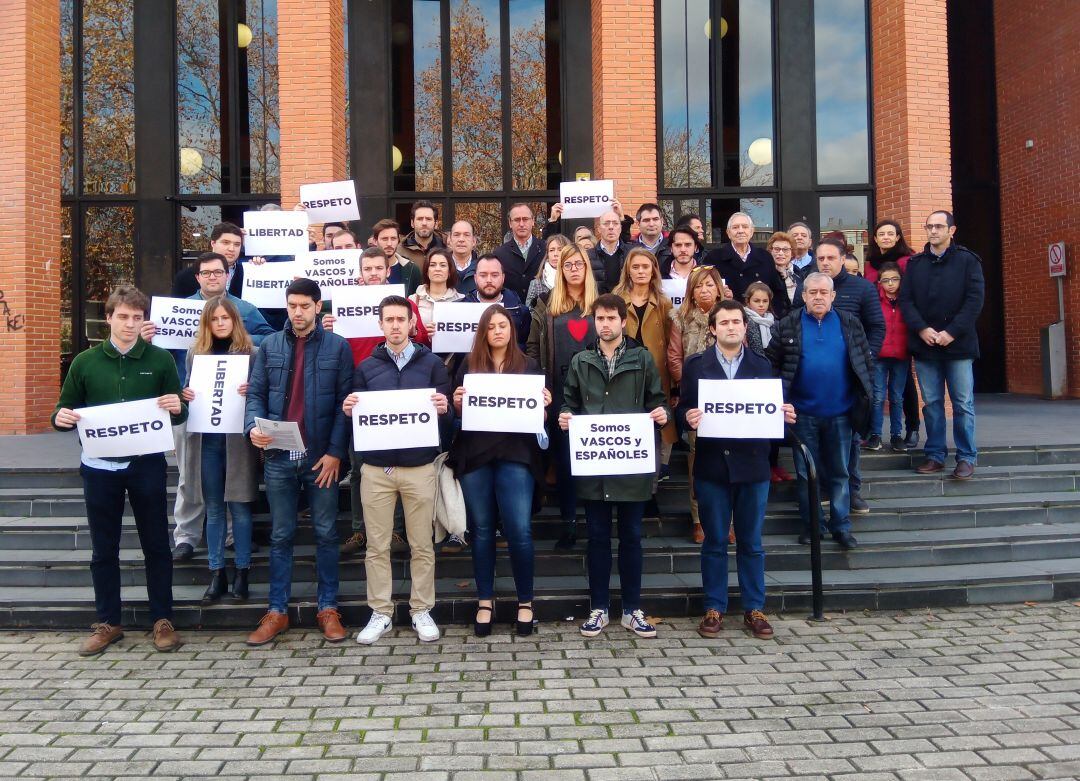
pixel 125 368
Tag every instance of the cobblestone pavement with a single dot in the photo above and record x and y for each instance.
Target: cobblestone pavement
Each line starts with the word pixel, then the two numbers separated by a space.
pixel 973 693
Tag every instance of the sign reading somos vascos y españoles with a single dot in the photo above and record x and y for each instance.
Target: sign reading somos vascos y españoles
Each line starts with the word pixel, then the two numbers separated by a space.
pixel 612 445
pixel 177 321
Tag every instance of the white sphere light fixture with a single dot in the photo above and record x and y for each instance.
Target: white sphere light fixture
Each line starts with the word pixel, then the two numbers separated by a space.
pixel 395 157
pixel 243 35
pixel 191 161
pixel 760 151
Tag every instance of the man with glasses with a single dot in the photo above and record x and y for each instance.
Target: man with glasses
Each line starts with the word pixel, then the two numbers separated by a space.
pixel 610 252
pixel 522 255
pixel 941 298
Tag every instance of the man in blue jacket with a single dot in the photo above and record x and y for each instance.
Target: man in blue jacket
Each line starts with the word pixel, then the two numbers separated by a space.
pixel 941 298
pixel 405 473
pixel 731 477
pixel 302 374
pixel 491 289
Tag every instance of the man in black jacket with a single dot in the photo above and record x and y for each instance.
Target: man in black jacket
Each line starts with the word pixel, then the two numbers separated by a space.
pixel 609 254
pixel 940 298
pixel 522 255
pixel 741 263
pixel 225 239
pixel 491 289
pixel 827 368
pixel 408 473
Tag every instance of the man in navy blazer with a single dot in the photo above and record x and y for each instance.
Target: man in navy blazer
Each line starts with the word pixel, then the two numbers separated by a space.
pixel 731 477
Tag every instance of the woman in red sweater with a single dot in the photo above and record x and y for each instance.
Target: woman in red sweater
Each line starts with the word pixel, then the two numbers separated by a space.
pixel 887 245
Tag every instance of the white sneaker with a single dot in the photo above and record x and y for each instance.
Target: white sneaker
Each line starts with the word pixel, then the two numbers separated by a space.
pixel 426 628
pixel 377 626
pixel 595 624
pixel 636 623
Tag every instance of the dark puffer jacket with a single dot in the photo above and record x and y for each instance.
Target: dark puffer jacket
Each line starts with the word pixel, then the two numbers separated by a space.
pixel 785 352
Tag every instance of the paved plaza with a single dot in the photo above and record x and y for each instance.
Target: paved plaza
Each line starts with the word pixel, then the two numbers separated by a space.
pixel 977 693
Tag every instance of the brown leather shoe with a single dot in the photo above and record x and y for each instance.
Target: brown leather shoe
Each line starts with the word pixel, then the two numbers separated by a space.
pixel 711 625
pixel 270 626
pixel 755 621
pixel 165 637
pixel 101 637
pixel 964 470
pixel 698 535
pixel 929 466
pixel 329 621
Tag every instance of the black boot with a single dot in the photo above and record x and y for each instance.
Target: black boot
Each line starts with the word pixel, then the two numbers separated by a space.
pixel 239 591
pixel 219 584
pixel 569 536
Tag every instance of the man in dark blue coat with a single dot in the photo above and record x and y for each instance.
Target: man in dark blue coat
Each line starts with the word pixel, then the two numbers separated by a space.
pixel 941 298
pixel 740 263
pixel 731 477
pixel 522 255
pixel 491 289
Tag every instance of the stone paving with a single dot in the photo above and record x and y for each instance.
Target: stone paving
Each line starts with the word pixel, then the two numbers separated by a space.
pixel 976 693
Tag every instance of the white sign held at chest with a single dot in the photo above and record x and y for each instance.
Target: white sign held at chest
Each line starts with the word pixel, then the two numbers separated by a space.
pixel 129 428
pixel 741 409
pixel 455 325
pixel 394 420
pixel 275 233
pixel 508 403
pixel 330 201
pixel 330 269
pixel 675 289
pixel 265 284
pixel 217 407
pixel 612 445
pixel 356 309
pixel 177 320
pixel 586 198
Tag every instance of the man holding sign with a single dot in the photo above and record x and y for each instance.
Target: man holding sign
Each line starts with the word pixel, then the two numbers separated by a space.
pixel 617 376
pixel 125 368
pixel 731 476
pixel 396 468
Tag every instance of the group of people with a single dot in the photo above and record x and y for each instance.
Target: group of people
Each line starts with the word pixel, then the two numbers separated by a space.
pixel 589 315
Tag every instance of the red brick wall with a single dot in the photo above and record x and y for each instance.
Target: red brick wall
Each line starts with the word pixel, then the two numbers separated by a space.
pixel 311 92
pixel 910 66
pixel 29 198
pixel 624 98
pixel 1038 81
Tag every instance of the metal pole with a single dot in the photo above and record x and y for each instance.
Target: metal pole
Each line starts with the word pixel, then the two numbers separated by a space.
pixel 1061 299
pixel 818 592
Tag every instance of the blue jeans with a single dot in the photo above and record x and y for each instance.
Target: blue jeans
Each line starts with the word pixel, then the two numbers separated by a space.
pixel 500 490
pixel 285 480
pixel 829 441
pixel 720 504
pixel 213 489
pixel 890 377
pixel 957 375
pixel 598 525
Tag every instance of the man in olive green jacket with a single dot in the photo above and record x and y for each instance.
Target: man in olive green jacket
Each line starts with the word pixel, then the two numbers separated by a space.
pixel 618 376
pixel 125 368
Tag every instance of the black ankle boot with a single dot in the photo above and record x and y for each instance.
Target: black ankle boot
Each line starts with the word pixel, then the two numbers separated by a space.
pixel 568 538
pixel 219 584
pixel 239 591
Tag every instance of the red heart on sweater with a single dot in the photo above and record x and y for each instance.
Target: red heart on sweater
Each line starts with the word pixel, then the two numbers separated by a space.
pixel 577 328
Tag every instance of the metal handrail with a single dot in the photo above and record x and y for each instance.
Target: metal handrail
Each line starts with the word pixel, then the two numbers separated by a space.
pixel 818 591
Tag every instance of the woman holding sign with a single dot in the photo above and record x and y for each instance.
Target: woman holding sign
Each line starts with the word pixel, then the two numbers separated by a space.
pixel 222 468
pixel 440 279
pixel 562 326
pixel 499 472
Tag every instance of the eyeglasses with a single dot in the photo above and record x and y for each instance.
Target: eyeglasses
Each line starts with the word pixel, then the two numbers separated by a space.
pixel 781 250
pixel 577 266
pixel 212 274
pixel 890 280
pixel 937 226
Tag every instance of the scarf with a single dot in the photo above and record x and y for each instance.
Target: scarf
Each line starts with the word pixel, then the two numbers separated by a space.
pixel 549 276
pixel 763 322
pixel 893 255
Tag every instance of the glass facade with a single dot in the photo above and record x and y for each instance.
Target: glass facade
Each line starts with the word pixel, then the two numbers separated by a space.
pixel 840 87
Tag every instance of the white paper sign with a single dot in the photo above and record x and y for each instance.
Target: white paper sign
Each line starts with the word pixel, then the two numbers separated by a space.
pixel 510 403
pixel 331 269
pixel 393 420
pixel 455 325
pixel 275 233
pixel 741 409
pixel 217 408
pixel 612 445
pixel 285 434
pixel 265 284
pixel 330 201
pixel 177 320
pixel 130 428
pixel 675 289
pixel 586 198
pixel 356 309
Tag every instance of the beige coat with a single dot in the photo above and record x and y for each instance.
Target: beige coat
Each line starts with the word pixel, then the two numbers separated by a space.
pixel 654 335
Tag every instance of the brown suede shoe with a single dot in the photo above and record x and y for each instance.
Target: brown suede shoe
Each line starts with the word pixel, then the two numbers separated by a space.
pixel 755 621
pixel 165 637
pixel 964 470
pixel 711 625
pixel 329 621
pixel 270 626
pixel 929 466
pixel 101 637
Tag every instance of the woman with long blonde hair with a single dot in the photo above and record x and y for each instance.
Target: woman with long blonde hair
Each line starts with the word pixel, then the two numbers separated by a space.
pixel 562 326
pixel 223 467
